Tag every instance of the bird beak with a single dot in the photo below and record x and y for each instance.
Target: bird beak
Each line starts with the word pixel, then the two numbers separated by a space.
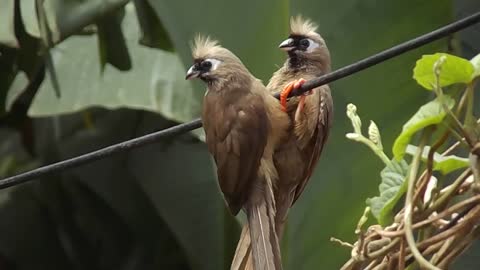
pixel 192 73
pixel 287 45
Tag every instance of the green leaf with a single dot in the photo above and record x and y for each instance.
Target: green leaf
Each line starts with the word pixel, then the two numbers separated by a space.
pixel 156 83
pixel 453 70
pixel 476 64
pixel 111 42
pixel 431 113
pixel 7 26
pixel 392 188
pixel 66 17
pixel 444 164
pixel 18 85
pixel 254 40
pixel 171 180
pixel 154 33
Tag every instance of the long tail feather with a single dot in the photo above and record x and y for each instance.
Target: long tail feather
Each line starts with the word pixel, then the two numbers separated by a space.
pixel 261 222
pixel 242 259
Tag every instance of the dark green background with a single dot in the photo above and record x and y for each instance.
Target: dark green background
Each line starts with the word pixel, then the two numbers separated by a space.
pixel 158 207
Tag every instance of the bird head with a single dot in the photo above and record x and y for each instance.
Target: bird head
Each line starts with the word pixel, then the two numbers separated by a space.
pixel 304 45
pixel 213 63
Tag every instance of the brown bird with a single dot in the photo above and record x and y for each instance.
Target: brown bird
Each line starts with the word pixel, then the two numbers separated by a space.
pixel 243 125
pixel 311 117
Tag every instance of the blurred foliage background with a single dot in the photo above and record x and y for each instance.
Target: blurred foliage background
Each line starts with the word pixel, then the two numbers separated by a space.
pixel 76 76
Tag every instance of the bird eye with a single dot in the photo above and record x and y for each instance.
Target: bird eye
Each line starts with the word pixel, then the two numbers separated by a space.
pixel 304 43
pixel 206 65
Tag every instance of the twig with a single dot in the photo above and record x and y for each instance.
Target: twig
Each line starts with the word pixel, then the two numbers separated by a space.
pixel 426 176
pixel 446 196
pixel 409 206
pixel 340 242
pixel 444 235
pixel 459 248
pixel 401 255
pixel 426 222
pixel 445 246
pixel 432 248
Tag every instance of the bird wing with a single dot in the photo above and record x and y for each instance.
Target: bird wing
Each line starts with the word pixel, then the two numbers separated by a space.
pixel 325 119
pixel 236 135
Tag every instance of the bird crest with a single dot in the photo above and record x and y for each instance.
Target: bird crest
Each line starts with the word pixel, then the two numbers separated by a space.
pixel 203 46
pixel 302 27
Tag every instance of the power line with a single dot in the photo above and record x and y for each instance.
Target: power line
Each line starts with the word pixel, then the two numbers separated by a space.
pixel 387 54
pixel 99 154
pixel 182 128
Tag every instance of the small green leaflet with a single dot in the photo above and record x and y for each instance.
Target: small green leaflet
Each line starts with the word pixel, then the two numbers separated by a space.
pixel 453 70
pixel 429 114
pixel 444 164
pixel 392 187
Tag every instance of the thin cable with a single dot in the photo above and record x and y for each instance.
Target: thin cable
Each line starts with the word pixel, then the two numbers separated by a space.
pixel 99 154
pixel 182 128
pixel 387 54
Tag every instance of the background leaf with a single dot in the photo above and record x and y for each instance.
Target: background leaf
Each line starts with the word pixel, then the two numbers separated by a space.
pixel 254 40
pixel 111 42
pixel 156 83
pixel 7 27
pixel 153 33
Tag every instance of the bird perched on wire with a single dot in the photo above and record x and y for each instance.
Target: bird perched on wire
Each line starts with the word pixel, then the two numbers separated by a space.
pixel 243 125
pixel 311 117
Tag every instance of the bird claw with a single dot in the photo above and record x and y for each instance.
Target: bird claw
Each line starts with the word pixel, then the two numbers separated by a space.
pixel 288 89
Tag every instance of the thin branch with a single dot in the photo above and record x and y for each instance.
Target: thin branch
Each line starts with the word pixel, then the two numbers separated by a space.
pixel 182 128
pixel 409 207
pixel 423 223
pixel 401 257
pixel 468 220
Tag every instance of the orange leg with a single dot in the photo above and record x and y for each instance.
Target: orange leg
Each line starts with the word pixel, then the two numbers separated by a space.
pixel 301 102
pixel 284 95
pixel 287 90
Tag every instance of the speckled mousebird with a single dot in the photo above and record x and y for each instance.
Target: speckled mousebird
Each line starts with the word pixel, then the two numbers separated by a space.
pixel 311 118
pixel 243 126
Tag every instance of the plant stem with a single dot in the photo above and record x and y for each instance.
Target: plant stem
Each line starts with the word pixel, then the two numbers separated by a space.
pixel 407 218
pixel 423 223
pixel 374 148
pixel 451 190
pixel 469 118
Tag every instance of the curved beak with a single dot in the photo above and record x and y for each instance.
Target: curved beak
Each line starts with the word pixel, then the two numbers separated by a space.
pixel 287 44
pixel 192 73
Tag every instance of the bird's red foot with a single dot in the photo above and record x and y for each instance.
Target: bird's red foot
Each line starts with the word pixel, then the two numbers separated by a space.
pixel 288 89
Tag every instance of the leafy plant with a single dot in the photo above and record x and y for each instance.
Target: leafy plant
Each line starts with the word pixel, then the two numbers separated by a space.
pixel 437 219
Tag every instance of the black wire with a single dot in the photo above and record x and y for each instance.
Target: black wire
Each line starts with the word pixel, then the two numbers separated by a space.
pixel 99 154
pixel 327 78
pixel 387 54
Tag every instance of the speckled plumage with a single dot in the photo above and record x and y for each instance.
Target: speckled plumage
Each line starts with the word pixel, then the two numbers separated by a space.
pixel 296 157
pixel 311 127
pixel 243 125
